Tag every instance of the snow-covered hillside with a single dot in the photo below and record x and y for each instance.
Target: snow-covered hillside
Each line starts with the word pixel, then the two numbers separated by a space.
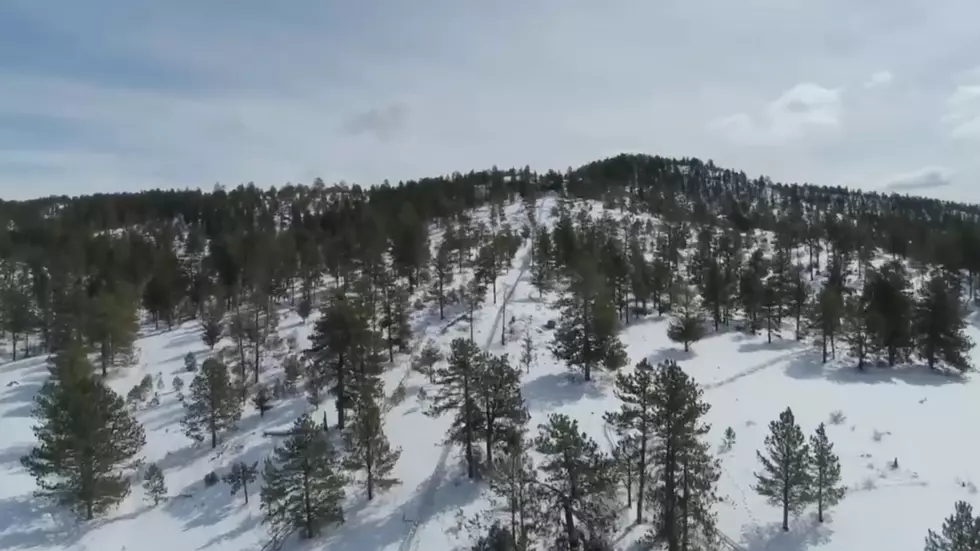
pixel 910 415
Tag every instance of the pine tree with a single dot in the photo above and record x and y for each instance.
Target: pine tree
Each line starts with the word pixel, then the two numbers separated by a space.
pixel 456 384
pixel 498 397
pixel 497 538
pixel 339 336
pixel 303 485
pixel 887 296
pixel 939 321
pixel 262 401
pixel 542 273
pixel 785 478
pixel 579 484
pixel 528 355
pixel 442 275
pixel 212 326
pixel 625 458
pixel 85 437
pixel 635 420
pixel 688 325
pixel 154 484
pixel 961 531
pixel 239 476
pixel 824 472
pixel 685 473
pixel 586 337
pixel 112 327
pixel 212 406
pixel 825 317
pixel 17 314
pixel 857 328
pixel 513 480
pixel 367 447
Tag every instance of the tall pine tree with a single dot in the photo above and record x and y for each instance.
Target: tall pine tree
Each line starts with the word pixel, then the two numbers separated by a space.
pixel 303 485
pixel 824 472
pixel 939 321
pixel 785 478
pixel 86 437
pixel 212 406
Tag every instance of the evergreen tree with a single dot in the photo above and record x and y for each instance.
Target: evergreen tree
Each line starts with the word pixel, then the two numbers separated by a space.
pixel 154 484
pixel 635 420
pixel 112 328
pixel 785 477
pixel 939 321
pixel 887 296
pixel 442 275
pixel 579 484
pixel 85 435
pixel 513 480
pixel 824 472
pixel 367 447
pixel 212 325
pixel 212 406
pixel 688 325
pixel 825 317
pixel 303 485
pixel 239 476
pixel 497 538
pixel 542 271
pixel 262 401
pixel 498 397
pixel 625 458
pixel 961 531
pixel 339 336
pixel 685 479
pixel 457 384
pixel 528 355
pixel 586 337
pixel 857 328
pixel 17 314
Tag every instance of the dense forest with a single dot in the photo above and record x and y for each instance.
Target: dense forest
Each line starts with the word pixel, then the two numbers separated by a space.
pixel 883 279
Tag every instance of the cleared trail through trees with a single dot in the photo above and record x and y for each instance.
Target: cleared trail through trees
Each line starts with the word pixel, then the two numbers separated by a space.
pixel 409 543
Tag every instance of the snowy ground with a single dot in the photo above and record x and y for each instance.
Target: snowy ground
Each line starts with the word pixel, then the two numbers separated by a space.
pixel 906 413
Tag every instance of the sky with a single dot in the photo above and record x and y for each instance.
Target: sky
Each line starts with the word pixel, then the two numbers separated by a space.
pixel 123 95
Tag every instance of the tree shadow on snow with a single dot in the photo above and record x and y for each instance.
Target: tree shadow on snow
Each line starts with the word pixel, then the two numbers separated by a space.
pixel 21 397
pixel 187 336
pixel 557 389
pixel 10 457
pixel 444 491
pixel 673 354
pixel 804 532
pixel 28 522
pixel 777 345
pixel 808 366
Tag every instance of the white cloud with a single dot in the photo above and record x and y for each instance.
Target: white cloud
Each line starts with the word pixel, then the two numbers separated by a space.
pixel 963 112
pixel 881 78
pixel 798 112
pixel 186 94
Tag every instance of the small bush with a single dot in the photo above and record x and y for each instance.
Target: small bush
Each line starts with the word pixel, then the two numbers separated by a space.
pixel 190 362
pixel 837 417
pixel 729 439
pixel 177 383
pixel 210 479
pixel 877 435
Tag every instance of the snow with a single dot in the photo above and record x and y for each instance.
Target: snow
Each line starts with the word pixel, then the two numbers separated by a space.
pixel 906 413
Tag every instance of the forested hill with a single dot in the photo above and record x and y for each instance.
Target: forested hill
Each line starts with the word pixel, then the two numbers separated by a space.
pixel 174 248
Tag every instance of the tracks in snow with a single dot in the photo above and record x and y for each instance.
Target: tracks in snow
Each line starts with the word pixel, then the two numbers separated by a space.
pixel 409 543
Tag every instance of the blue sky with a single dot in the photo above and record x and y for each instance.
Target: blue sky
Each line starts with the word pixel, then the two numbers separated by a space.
pixel 109 95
